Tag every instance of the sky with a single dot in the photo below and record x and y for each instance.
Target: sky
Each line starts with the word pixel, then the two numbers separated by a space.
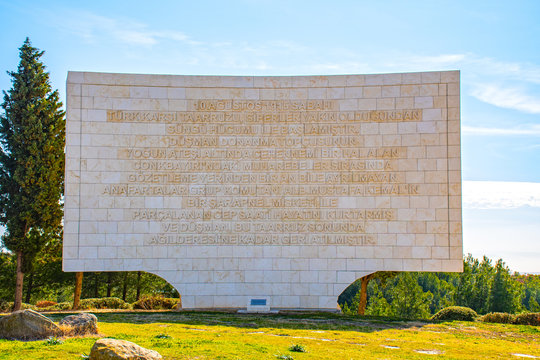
pixel 495 45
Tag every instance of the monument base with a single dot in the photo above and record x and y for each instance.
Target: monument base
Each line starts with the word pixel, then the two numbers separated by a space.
pixel 260 311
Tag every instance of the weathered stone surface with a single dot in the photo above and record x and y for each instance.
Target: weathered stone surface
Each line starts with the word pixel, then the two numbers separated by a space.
pixel 27 325
pixel 81 324
pixel 284 188
pixel 112 349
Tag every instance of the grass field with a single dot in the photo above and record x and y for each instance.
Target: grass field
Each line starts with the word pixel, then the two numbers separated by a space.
pixel 210 335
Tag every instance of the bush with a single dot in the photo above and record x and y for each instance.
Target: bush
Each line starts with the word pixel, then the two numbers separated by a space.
pixel 7 306
pixel 528 319
pixel 60 306
pixel 45 303
pixel 4 306
pixel 498 317
pixel 25 306
pixel 455 313
pixel 157 303
pixel 103 303
pixel 297 348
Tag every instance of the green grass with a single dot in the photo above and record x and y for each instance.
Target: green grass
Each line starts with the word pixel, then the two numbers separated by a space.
pixel 211 335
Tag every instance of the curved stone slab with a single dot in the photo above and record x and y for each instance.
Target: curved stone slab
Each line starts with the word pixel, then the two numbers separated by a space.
pixel 287 188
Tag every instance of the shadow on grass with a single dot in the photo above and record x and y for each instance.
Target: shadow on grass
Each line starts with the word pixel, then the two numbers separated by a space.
pixel 290 320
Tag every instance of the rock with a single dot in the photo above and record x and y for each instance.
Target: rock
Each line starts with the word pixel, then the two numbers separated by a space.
pixel 81 324
pixel 112 349
pixel 27 325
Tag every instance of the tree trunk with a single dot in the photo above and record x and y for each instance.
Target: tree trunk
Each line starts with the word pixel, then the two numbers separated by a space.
pixel 124 289
pixel 96 285
pixel 363 293
pixel 138 286
pixel 109 284
pixel 29 288
pixel 78 289
pixel 18 283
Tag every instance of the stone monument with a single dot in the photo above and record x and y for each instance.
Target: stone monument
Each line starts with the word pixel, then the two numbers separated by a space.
pixel 262 191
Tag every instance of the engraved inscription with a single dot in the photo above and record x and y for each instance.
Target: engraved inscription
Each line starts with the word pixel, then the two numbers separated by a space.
pixel 263 172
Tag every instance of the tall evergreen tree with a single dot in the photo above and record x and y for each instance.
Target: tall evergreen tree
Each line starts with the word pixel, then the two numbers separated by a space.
pixel 484 279
pixel 408 298
pixel 378 305
pixel 504 295
pixel 32 137
pixel 441 290
pixel 465 287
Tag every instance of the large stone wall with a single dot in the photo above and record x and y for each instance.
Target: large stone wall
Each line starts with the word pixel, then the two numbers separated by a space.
pixel 287 188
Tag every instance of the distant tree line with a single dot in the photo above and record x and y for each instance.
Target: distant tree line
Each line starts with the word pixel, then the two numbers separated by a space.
pixel 47 281
pixel 483 286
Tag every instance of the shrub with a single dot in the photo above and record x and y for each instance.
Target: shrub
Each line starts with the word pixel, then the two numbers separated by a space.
pixel 297 348
pixel 103 303
pixel 498 317
pixel 4 306
pixel 7 306
pixel 455 313
pixel 25 306
pixel 157 303
pixel 45 303
pixel 60 306
pixel 528 319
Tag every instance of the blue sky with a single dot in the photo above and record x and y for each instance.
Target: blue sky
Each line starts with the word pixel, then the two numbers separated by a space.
pixel 495 44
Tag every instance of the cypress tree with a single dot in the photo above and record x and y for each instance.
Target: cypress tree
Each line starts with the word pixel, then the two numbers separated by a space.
pixel 32 137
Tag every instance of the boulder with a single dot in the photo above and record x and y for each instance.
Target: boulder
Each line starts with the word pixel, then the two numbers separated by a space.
pixel 81 324
pixel 27 325
pixel 112 349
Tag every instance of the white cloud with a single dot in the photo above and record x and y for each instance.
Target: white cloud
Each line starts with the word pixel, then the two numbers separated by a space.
pixel 338 68
pixel 510 85
pixel 531 130
pixel 525 72
pixel 500 194
pixel 436 62
pixel 477 66
pixel 507 97
pixel 444 59
pixel 93 27
pixel 507 85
